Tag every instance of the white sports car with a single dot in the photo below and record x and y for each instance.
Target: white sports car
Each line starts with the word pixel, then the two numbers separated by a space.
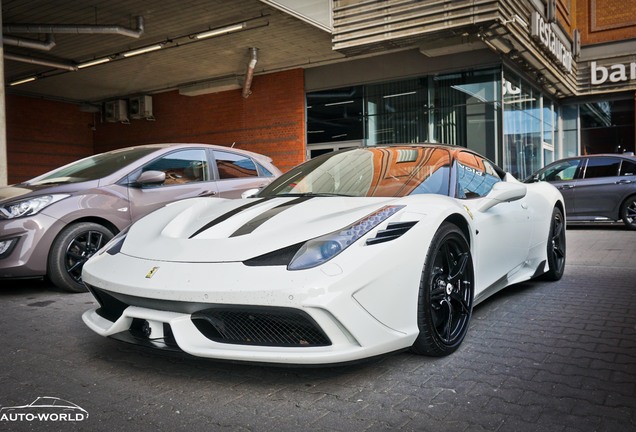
pixel 350 255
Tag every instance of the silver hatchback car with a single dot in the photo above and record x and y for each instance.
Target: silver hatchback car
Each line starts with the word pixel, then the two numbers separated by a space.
pixel 52 224
pixel 596 188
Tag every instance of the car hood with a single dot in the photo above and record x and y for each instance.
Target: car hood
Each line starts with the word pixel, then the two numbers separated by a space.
pixel 217 230
pixel 25 191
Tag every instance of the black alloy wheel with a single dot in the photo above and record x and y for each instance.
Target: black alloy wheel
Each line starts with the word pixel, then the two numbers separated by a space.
pixel 628 212
pixel 71 249
pixel 556 246
pixel 446 291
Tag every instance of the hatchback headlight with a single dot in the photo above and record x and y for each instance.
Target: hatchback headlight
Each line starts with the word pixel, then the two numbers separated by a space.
pixel 28 207
pixel 321 249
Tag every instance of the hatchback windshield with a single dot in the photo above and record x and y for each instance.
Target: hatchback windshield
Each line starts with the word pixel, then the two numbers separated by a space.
pixel 367 172
pixel 94 167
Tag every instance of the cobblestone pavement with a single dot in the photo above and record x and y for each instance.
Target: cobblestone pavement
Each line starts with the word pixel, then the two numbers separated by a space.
pixel 538 357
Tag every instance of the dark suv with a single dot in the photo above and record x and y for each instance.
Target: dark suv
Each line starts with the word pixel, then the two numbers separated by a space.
pixel 595 187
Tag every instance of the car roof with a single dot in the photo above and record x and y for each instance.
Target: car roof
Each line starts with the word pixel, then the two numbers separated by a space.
pixel 204 145
pixel 628 155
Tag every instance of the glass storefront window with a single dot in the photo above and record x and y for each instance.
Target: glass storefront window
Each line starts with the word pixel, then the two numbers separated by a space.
pixel 459 108
pixel 531 128
pixel 466 110
pixel 396 112
pixel 472 109
pixel 335 115
pixel 607 127
pixel 570 121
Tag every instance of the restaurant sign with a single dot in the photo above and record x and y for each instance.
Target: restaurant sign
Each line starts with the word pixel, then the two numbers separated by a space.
pixel 548 37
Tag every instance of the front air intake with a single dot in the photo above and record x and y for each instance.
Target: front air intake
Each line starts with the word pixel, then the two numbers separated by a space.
pixel 266 326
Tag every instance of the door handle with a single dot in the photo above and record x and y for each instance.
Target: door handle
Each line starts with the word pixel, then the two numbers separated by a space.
pixel 566 187
pixel 207 193
pixel 624 182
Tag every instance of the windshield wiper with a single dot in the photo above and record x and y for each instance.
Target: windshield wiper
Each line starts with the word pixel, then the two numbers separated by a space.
pixel 49 182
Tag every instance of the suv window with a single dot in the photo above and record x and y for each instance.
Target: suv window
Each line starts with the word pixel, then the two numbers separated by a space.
pixel 232 165
pixel 475 176
pixel 184 166
pixel 628 168
pixel 565 170
pixel 602 167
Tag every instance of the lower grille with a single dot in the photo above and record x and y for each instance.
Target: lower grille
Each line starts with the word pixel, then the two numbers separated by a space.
pixel 267 326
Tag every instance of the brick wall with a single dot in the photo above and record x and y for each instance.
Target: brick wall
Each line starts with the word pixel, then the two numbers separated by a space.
pixel 270 121
pixel 42 135
pixel 605 20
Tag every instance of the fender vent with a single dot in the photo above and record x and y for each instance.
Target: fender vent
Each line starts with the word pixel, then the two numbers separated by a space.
pixel 392 231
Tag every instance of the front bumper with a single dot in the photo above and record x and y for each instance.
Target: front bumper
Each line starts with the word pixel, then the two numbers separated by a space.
pixel 362 313
pixel 32 237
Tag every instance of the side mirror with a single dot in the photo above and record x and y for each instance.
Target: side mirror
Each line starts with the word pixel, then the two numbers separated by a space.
pixel 151 178
pixel 250 193
pixel 503 192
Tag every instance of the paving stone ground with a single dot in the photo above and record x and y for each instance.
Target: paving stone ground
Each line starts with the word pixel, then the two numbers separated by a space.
pixel 539 356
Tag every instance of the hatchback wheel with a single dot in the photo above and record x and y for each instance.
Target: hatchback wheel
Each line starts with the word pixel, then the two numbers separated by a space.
pixel 71 249
pixel 446 293
pixel 628 212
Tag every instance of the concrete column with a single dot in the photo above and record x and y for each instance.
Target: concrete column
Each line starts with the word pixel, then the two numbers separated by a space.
pixel 3 117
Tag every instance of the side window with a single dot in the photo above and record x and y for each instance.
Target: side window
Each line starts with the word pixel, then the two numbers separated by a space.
pixel 565 170
pixel 181 167
pixel 232 165
pixel 628 168
pixel 264 171
pixel 602 167
pixel 475 176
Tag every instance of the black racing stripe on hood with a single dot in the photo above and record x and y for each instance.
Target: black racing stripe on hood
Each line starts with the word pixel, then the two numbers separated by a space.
pixel 265 216
pixel 228 215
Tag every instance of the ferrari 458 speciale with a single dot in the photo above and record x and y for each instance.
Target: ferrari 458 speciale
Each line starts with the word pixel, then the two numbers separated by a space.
pixel 350 255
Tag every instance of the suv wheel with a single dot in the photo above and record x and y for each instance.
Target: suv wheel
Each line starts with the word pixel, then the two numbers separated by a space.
pixel 628 212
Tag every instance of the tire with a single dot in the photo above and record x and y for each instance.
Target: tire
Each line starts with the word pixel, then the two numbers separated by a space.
pixel 71 249
pixel 628 212
pixel 556 247
pixel 445 302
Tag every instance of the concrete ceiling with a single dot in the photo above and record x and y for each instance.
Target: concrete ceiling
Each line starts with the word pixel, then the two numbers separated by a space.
pixel 283 42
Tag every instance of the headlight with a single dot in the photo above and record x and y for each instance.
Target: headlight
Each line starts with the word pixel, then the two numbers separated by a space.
pixel 321 249
pixel 29 206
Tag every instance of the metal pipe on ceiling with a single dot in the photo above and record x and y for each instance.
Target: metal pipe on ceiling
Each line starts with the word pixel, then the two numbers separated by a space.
pixel 77 28
pixel 45 45
pixel 250 72
pixel 42 62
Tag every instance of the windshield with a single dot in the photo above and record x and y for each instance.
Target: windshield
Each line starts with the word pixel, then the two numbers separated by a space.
pixel 368 172
pixel 94 167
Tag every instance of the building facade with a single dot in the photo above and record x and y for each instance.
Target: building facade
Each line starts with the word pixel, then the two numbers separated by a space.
pixel 524 82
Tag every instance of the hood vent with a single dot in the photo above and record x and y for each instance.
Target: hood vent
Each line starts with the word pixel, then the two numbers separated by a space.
pixel 392 231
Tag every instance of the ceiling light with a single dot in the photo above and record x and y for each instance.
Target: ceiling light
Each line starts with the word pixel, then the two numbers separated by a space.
pixel 22 81
pixel 143 50
pixel 222 30
pixel 399 94
pixel 93 62
pixel 339 103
